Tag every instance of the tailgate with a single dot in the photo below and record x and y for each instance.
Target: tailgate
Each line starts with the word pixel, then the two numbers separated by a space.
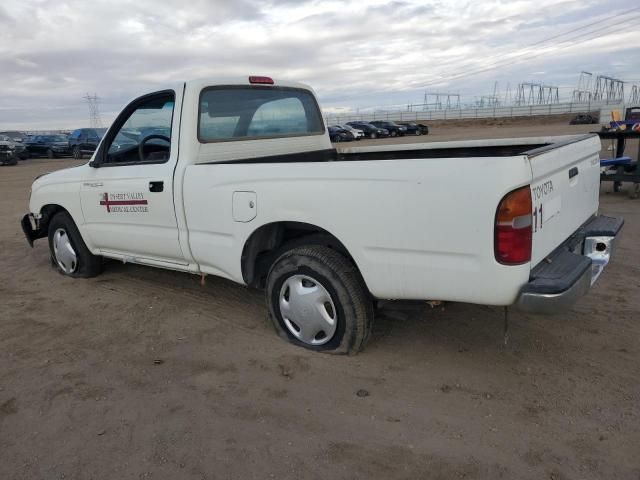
pixel 565 190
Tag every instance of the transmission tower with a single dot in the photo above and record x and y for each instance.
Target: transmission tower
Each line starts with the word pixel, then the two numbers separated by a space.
pixel 634 96
pixel 507 95
pixel 440 100
pixel 536 94
pixel 550 94
pixel 583 92
pixel 94 111
pixel 490 100
pixel 608 89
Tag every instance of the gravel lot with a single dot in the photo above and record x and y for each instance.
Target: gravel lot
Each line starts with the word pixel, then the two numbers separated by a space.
pixel 143 373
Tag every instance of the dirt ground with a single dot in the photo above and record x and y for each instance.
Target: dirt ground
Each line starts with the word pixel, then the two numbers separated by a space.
pixel 143 373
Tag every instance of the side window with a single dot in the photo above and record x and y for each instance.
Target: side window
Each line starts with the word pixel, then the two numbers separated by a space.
pixel 75 134
pixel 246 113
pixel 145 135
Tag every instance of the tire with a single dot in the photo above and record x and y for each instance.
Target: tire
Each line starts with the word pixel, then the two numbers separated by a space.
pixel 393 133
pixel 373 135
pixel 85 264
pixel 336 139
pixel 77 153
pixel 50 153
pixel 23 155
pixel 337 289
pixel 12 161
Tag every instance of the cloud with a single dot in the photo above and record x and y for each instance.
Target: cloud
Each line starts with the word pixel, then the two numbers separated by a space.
pixel 355 54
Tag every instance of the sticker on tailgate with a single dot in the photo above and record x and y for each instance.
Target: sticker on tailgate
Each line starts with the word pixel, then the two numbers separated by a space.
pixel 544 207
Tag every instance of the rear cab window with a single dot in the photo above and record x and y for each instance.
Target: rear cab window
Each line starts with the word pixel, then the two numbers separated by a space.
pixel 233 113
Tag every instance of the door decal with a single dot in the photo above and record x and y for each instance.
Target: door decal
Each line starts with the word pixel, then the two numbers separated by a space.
pixel 129 202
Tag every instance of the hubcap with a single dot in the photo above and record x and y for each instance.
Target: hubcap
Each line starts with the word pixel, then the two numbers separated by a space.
pixel 308 310
pixel 65 254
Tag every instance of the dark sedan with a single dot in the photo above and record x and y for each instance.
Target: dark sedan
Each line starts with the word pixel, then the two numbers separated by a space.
pixel 583 119
pixel 370 131
pixel 395 130
pixel 340 135
pixel 415 128
pixel 47 146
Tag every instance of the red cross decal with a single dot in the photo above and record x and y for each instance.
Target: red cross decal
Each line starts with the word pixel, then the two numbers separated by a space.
pixel 109 203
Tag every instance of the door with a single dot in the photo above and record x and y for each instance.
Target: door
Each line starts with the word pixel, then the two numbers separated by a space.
pixel 127 199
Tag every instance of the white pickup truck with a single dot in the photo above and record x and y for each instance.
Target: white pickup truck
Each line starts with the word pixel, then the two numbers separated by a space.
pixel 237 178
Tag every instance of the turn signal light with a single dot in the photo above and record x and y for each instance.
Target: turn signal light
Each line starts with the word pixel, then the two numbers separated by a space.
pixel 262 80
pixel 513 236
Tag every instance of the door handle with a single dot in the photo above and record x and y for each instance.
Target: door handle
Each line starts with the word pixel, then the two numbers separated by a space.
pixel 573 172
pixel 157 186
pixel 93 184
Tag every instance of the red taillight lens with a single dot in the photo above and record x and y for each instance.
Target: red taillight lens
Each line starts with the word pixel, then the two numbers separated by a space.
pixel 513 236
pixel 262 80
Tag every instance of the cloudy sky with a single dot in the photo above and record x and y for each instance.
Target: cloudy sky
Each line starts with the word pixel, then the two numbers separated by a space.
pixel 356 54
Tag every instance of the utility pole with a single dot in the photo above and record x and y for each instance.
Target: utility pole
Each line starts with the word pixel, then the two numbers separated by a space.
pixel 94 111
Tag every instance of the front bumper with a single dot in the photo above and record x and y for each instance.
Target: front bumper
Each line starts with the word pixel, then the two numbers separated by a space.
pixel 568 272
pixel 32 228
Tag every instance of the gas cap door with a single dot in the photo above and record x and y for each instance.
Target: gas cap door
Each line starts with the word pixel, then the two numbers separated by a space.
pixel 245 206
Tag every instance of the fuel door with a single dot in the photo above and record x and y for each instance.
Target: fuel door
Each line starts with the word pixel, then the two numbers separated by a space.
pixel 245 206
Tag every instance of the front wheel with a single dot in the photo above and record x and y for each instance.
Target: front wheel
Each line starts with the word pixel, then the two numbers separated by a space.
pixel 393 133
pixel 318 300
pixel 69 254
pixel 50 153
pixel 77 153
pixel 373 135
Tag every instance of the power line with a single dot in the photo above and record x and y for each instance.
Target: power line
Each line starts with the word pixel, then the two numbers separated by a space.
pixel 457 73
pixel 510 61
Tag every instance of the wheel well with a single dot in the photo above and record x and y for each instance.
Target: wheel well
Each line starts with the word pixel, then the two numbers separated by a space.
pixel 48 212
pixel 269 241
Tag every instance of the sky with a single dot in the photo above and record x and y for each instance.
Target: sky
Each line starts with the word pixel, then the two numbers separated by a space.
pixel 358 55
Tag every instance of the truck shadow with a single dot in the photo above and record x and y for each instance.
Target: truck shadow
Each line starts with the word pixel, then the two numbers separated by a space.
pixel 399 325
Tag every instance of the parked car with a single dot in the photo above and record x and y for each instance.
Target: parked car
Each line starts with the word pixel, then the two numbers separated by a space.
pixel 583 119
pixel 8 154
pixel 14 135
pixel 85 141
pixel 369 130
pixel 393 128
pixel 337 134
pixel 326 233
pixel 47 145
pixel 415 128
pixel 357 133
pixel 9 148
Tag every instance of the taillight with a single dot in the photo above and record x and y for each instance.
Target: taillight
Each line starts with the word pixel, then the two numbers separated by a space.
pixel 513 236
pixel 261 80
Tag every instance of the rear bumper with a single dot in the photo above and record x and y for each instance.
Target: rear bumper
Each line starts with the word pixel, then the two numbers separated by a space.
pixel 568 272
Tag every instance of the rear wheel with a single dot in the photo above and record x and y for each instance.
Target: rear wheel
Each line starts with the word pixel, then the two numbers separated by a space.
pixel 373 135
pixel 50 153
pixel 77 153
pixel 393 133
pixel 69 254
pixel 336 139
pixel 318 300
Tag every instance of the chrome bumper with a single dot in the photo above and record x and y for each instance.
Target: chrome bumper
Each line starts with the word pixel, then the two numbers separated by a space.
pixel 570 271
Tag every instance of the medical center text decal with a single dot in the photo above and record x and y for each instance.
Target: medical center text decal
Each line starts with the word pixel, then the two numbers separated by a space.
pixel 129 202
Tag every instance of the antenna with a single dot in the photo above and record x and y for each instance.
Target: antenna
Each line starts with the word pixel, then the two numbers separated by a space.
pixel 94 111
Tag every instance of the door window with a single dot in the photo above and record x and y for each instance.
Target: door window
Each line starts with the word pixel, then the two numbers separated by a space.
pixel 145 135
